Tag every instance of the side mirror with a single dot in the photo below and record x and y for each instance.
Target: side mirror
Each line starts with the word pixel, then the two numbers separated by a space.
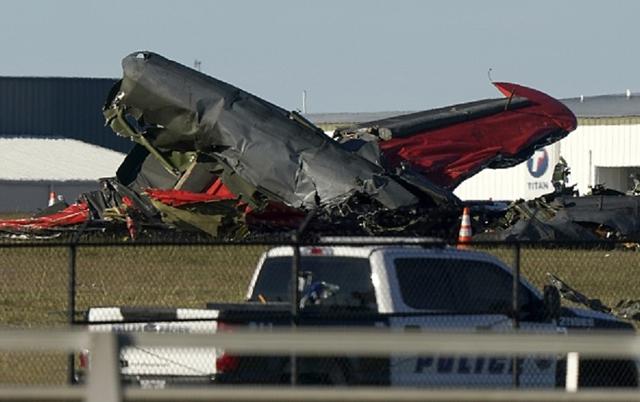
pixel 551 297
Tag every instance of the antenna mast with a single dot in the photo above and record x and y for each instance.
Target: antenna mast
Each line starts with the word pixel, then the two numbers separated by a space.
pixel 304 102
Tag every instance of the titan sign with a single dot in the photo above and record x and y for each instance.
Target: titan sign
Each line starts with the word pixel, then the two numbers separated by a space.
pixel 538 166
pixel 538 163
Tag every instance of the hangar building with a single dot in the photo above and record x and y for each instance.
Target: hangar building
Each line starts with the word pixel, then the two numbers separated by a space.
pixel 53 138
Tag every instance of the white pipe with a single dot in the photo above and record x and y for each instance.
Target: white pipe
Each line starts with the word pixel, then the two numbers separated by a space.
pixel 573 367
pixel 304 102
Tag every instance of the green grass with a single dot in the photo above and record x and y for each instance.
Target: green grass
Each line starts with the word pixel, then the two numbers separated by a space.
pixel 33 289
pixel 34 284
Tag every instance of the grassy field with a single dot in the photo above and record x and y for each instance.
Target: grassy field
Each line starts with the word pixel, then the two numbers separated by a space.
pixel 35 279
pixel 33 290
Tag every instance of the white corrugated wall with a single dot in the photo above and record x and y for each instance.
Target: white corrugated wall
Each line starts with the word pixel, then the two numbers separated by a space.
pixel 500 184
pixel 596 154
pixel 602 154
pixel 528 180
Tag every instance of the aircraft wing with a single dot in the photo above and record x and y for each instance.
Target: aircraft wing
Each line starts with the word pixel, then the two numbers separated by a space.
pixel 451 144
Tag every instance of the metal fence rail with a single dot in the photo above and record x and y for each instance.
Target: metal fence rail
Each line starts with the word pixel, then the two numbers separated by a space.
pixel 104 382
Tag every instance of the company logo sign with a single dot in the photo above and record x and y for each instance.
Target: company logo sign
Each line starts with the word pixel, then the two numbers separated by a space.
pixel 538 163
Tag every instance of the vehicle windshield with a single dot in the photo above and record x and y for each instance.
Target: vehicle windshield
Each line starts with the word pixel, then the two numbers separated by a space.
pixel 464 286
pixel 351 275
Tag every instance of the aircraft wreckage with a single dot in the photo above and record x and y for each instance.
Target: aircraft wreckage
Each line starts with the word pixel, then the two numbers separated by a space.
pixel 625 309
pixel 208 157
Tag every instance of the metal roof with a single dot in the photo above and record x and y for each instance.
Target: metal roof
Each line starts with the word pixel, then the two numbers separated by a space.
pixel 347 118
pixel 609 106
pixel 617 105
pixel 55 159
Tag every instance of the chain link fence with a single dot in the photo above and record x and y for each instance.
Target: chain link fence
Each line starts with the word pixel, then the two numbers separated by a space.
pixel 151 286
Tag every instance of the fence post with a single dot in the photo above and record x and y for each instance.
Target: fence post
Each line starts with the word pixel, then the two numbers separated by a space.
pixel 516 308
pixel 573 370
pixel 103 381
pixel 295 270
pixel 71 296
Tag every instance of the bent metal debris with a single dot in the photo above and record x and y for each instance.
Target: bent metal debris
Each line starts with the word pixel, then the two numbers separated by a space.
pixel 210 158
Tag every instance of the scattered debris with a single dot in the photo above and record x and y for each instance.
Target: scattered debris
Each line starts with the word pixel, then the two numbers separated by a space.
pixel 558 217
pixel 636 184
pixel 627 309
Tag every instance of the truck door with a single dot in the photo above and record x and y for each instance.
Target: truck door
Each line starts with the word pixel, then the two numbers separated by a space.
pixel 462 295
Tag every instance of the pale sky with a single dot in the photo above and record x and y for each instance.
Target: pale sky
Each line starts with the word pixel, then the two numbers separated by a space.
pixel 349 56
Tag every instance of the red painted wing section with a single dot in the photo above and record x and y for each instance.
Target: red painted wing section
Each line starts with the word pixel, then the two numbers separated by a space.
pixel 73 215
pixel 276 214
pixel 449 155
pixel 181 197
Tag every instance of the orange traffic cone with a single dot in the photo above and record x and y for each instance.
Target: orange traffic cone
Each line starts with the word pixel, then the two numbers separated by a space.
pixel 464 238
pixel 52 198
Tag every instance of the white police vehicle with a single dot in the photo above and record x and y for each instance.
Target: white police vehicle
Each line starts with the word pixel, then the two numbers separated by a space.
pixel 411 287
pixel 414 288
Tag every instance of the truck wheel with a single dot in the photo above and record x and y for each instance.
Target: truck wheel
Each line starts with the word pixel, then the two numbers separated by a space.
pixel 332 374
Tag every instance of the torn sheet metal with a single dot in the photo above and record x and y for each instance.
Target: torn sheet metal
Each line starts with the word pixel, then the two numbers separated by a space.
pixel 627 309
pixel 210 157
pixel 70 217
pixel 613 216
pixel 179 109
pixel 451 144
pixel 222 219
pixel 569 293
pixel 552 217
